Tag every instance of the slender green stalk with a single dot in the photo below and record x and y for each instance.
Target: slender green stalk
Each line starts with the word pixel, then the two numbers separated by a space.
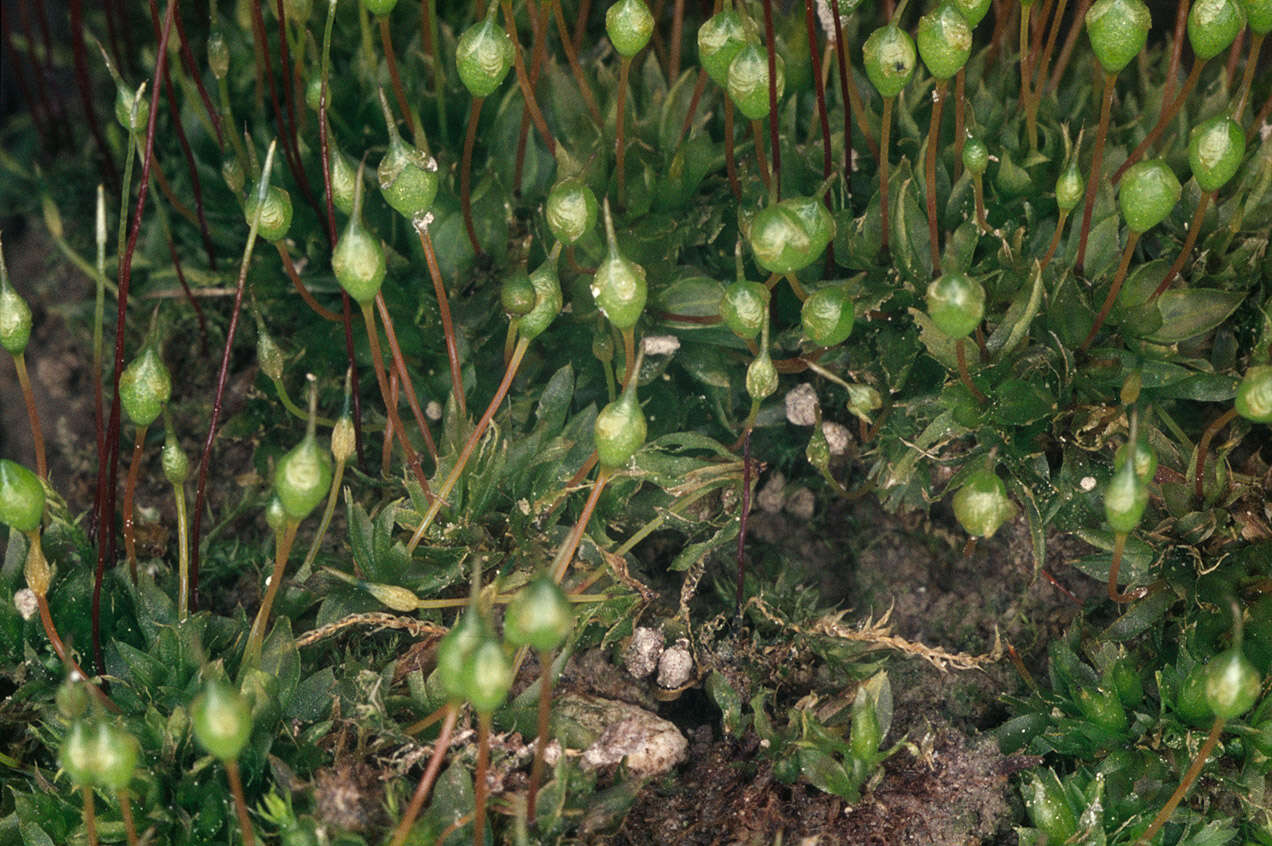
pixel 183 553
pixel 256 637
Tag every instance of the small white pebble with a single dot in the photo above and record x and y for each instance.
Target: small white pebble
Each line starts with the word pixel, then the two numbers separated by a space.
pixel 773 494
pixel 675 667
pixel 641 657
pixel 433 411
pixel 801 503
pixel 1087 484
pixel 661 344
pixel 801 405
pixel 836 436
pixel 26 603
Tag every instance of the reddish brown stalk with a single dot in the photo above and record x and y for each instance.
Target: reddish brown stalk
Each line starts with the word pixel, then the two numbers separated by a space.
pixel 1194 770
pixel 1194 229
pixel 620 149
pixel 399 365
pixel 1203 448
pixel 698 87
pixel 1234 54
pixel 1044 62
pixel 730 160
pixel 174 114
pixel 426 781
pixel 189 295
pixel 465 174
pixel 82 83
pixel 130 489
pixel 757 132
pixel 399 92
pixel 1116 287
pixel 125 811
pixel 770 47
pixel 1247 79
pixel 933 139
pixel 1119 547
pixel 64 654
pixel 1070 41
pixel 572 57
pixel 580 23
pixel 527 88
pixel 541 741
pixel 842 54
pixel 743 515
pixel 1097 166
pixel 978 190
pixel 426 33
pixel 1163 121
pixel 481 785
pixel 1004 13
pixel 377 361
pixel 677 34
pixel 964 374
pixel 240 802
pixel 561 564
pixel 960 94
pixel 108 472
pixel 581 474
pixel 448 328
pixel 536 66
pixel 90 816
pixel 1176 50
pixel 1262 117
pixel 33 415
pixel 884 146
pixel 290 268
pixel 1055 239
pixel 192 70
pixel 289 101
pixel 386 450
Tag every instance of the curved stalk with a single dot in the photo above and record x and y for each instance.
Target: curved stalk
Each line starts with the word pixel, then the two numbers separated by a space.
pixel 290 268
pixel 327 512
pixel 1203 447
pixel 37 433
pixel 256 637
pixel 130 489
pixel 399 93
pixel 885 137
pixel 572 57
pixel 929 170
pixel 527 88
pixel 466 173
pixel 1055 238
pixel 1194 770
pixel 466 452
pixel 1116 287
pixel 426 781
pixel 1194 229
pixel 1097 162
pixel 565 554
pixel 1119 546
pixel 399 364
pixel 240 803
pixel 1163 121
pixel 1247 79
pixel 448 328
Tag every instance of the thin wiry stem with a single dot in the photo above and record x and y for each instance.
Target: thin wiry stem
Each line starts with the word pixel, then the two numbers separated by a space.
pixel 1097 166
pixel 440 746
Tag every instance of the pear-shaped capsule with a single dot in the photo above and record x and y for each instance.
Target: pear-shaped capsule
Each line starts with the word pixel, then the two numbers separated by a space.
pixel 748 82
pixel 1148 193
pixel 629 25
pixel 620 429
pixel 570 210
pixel 1118 30
pixel 407 175
pixel 1216 147
pixel 720 38
pixel 944 40
pixel 890 59
pixel 618 286
pixel 145 387
pixel 222 721
pixel 358 260
pixel 956 304
pixel 484 54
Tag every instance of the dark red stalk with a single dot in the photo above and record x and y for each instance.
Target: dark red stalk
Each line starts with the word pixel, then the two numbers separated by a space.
pixel 108 470
pixel 1176 51
pixel 174 112
pixel 536 66
pixel 187 62
pixel 190 298
pixel 399 92
pixel 1040 70
pixel 742 517
pixel 399 366
pixel 580 23
pixel 527 89
pixel 842 54
pixel 1162 122
pixel 289 98
pixel 109 175
pixel 1070 41
pixel 1097 164
pixel 466 171
pixel 770 46
pixel 37 115
pixel 586 90
pixel 694 101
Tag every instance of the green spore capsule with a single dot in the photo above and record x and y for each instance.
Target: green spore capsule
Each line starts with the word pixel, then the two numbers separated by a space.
pixel 15 318
pixel 125 98
pixel 302 477
pixel 222 721
pixel 981 505
pixel 483 56
pixel 827 316
pixel 743 308
pixel 407 175
pixel 956 304
pixel 618 287
pixel 487 675
pixel 1216 147
pixel 719 40
pixel 548 300
pixel 761 377
pixel 1125 499
pixel 975 157
pixel 379 8
pixel 790 235
pixel 1148 194
pixel 176 464
pixel 1232 684
pixel 1070 187
pixel 115 754
pixel 620 429
pixel 1254 394
pixel 1118 30
pixel 890 58
pixel 571 210
pixel 748 81
pixel 454 653
pixel 944 40
pixel 145 387
pixel 1212 26
pixel 276 212
pixel 78 754
pixel 1144 459
pixel 539 616
pixel 1258 15
pixel 344 178
pixel 517 294
pixel 358 260
pixel 974 10
pixel 629 25
pixel 218 54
